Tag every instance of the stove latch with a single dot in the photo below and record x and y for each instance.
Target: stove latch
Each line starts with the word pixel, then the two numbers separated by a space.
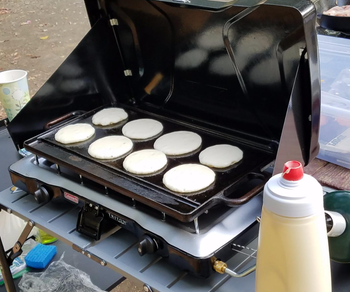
pixel 91 221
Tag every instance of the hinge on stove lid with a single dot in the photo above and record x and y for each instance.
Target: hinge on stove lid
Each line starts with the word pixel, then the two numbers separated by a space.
pixel 114 22
pixel 303 53
pixel 127 72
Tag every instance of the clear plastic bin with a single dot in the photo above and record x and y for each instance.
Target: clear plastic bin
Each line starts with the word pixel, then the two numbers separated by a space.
pixel 334 135
pixel 335 104
pixel 335 65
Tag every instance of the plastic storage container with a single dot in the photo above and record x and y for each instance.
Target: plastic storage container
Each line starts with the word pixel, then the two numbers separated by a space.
pixel 335 108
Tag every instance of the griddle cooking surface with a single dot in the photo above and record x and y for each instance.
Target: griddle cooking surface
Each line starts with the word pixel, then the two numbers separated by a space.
pixel 150 189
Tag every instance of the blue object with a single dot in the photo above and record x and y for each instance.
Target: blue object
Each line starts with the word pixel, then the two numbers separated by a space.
pixel 6 91
pixel 40 256
pixel 24 152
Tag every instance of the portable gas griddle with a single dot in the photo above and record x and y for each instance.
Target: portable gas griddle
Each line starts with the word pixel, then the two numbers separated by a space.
pixel 243 73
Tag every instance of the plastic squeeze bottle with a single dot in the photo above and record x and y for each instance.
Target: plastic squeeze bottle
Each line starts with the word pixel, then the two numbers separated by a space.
pixel 293 253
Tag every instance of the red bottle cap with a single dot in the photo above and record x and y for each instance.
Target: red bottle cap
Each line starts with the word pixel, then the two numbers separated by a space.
pixel 293 171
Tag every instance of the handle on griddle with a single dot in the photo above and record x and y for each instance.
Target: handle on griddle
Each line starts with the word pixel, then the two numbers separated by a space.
pixel 234 202
pixel 61 119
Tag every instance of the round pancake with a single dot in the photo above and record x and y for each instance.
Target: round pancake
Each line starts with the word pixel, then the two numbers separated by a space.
pixel 142 129
pixel 178 143
pixel 188 178
pixel 110 147
pixel 145 161
pixel 74 133
pixel 109 116
pixel 220 156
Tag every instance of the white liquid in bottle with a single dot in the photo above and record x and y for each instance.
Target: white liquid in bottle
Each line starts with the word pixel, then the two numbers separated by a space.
pixel 293 253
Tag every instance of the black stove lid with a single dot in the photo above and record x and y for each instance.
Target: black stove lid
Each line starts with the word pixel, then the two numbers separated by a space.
pixel 233 67
pixel 230 68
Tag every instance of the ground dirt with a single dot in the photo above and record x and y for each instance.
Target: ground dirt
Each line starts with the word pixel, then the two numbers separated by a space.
pixel 37 36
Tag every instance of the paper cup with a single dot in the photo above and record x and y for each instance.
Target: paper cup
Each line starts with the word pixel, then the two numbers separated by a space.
pixel 14 93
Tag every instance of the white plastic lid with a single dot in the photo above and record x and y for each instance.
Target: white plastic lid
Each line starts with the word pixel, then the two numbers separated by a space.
pixel 300 196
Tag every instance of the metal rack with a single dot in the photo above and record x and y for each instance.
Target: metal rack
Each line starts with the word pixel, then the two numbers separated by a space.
pixel 118 249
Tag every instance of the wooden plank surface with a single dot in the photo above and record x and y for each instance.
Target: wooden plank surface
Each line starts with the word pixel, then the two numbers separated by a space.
pixel 329 174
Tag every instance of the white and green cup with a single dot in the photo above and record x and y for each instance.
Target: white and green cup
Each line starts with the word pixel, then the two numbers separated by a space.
pixel 14 93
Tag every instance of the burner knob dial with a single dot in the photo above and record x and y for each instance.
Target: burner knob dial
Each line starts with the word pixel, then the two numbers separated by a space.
pixel 147 245
pixel 42 195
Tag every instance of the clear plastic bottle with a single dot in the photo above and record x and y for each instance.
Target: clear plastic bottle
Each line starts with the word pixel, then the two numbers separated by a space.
pixel 293 253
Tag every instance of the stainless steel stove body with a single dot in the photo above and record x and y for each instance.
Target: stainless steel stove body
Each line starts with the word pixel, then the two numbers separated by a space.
pixel 244 73
pixel 191 248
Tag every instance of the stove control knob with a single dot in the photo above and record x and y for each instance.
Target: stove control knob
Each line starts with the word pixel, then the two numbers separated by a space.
pixel 147 245
pixel 42 195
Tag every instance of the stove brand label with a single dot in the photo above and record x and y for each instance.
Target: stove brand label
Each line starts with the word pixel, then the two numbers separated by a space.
pixel 116 218
pixel 71 198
